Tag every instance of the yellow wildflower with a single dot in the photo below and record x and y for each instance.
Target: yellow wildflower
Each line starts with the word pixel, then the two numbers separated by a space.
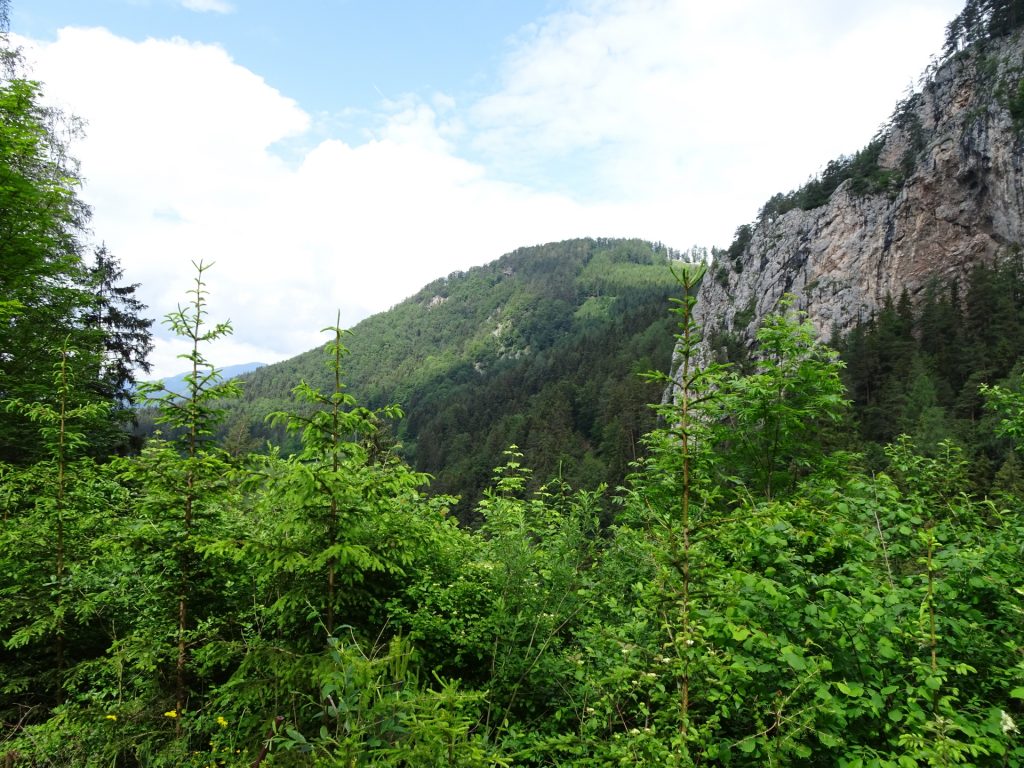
pixel 222 722
pixel 110 717
pixel 170 713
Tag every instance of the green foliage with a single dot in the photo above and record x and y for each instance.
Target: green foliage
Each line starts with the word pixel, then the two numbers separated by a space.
pixel 502 614
pixel 540 348
pixel 778 417
pixel 378 713
pixel 333 505
pixel 862 170
pixel 982 20
pixel 758 599
pixel 920 370
pixel 182 499
pixel 53 512
pixel 40 222
pixel 848 623
pixel 744 235
pixel 115 317
pixel 51 298
pixel 1010 405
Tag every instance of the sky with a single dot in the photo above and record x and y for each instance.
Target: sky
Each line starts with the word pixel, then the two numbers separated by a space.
pixel 337 155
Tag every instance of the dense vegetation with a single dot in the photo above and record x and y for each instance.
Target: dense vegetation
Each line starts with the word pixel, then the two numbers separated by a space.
pixel 770 589
pixel 759 597
pixel 539 349
pixel 918 368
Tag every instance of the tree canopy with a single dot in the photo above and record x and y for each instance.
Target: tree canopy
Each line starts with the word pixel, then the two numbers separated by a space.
pixel 52 298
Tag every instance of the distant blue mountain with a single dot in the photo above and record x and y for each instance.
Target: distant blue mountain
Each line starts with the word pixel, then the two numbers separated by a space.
pixel 176 384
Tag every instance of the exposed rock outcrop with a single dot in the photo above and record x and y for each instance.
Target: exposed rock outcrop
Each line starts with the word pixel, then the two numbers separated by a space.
pixel 955 153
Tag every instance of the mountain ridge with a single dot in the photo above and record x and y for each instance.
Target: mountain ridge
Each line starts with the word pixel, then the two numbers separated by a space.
pixel 176 383
pixel 539 348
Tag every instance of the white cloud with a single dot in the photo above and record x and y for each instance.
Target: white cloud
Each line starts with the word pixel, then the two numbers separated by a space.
pixel 208 6
pixel 673 120
pixel 179 167
pixel 725 103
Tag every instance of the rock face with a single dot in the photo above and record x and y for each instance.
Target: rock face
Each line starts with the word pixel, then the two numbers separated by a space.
pixel 956 154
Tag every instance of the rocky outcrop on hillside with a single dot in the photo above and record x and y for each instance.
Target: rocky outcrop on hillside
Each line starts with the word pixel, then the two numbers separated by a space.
pixel 952 194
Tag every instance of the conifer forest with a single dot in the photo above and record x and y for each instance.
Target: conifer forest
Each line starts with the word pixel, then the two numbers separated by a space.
pixel 807 554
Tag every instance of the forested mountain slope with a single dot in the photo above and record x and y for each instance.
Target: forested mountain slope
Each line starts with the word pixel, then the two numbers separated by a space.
pixel 540 349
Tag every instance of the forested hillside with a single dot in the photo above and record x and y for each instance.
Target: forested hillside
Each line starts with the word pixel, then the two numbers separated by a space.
pixel 539 349
pixel 920 369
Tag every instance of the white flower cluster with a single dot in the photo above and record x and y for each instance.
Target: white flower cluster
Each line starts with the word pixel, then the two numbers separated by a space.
pixel 1007 723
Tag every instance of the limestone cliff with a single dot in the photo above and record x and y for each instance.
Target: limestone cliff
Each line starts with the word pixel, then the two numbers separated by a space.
pixel 952 161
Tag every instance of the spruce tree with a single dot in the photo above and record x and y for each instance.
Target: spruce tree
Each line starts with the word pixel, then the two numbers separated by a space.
pixel 123 334
pixel 183 482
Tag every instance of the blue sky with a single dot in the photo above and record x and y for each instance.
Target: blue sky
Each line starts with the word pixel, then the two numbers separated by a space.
pixel 341 154
pixel 323 53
